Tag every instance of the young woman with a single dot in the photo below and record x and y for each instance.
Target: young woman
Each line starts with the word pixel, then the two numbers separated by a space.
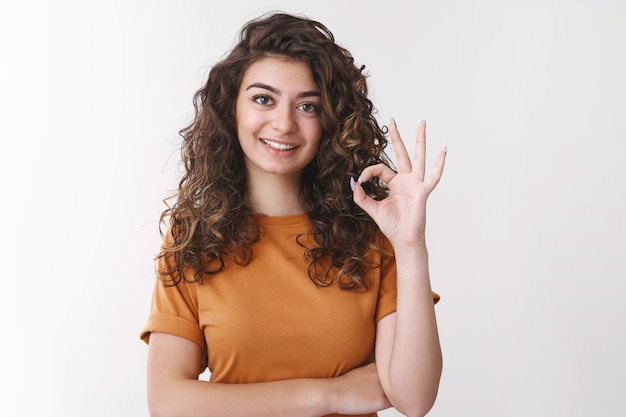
pixel 294 264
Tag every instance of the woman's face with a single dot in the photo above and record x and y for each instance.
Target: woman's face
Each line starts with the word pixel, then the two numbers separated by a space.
pixel 278 117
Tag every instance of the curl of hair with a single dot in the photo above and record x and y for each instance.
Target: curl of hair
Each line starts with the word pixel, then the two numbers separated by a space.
pixel 212 218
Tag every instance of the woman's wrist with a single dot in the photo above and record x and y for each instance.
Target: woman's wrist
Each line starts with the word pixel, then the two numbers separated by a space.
pixel 415 252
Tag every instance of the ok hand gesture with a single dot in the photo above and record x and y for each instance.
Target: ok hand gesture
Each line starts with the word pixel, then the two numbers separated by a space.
pixel 402 215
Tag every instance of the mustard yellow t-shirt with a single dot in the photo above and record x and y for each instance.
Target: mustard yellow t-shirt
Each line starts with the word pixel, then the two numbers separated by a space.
pixel 267 320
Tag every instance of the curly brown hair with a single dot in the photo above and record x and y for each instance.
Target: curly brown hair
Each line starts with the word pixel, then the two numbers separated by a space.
pixel 213 219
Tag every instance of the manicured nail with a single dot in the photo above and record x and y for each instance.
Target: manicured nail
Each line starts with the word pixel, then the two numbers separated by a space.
pixel 360 180
pixel 393 122
pixel 423 122
pixel 352 184
pixel 445 149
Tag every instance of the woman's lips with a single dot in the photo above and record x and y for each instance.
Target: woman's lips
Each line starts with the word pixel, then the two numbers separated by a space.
pixel 278 146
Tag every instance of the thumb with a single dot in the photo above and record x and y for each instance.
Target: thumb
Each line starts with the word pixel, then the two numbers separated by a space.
pixel 362 200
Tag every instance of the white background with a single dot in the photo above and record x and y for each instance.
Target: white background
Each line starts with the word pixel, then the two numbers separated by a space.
pixel 526 232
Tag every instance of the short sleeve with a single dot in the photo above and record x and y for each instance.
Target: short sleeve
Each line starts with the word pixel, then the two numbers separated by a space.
pixel 174 308
pixel 174 311
pixel 387 291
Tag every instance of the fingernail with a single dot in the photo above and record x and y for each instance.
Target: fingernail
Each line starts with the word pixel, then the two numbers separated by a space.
pixel 360 179
pixel 423 122
pixel 445 149
pixel 352 185
pixel 393 122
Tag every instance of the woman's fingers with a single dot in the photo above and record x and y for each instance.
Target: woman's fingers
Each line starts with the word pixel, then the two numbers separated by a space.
pixel 368 204
pixel 408 189
pixel 419 160
pixel 431 182
pixel 418 165
pixel 381 171
pixel 402 156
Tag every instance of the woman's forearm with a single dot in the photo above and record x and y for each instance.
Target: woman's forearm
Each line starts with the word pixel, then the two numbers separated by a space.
pixel 414 361
pixel 298 397
pixel 174 389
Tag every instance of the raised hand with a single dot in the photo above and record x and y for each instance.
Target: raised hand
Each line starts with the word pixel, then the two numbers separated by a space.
pixel 402 215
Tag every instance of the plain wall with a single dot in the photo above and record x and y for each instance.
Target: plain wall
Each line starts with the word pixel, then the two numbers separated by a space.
pixel 526 231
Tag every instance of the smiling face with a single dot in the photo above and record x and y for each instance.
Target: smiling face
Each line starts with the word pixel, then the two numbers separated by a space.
pixel 278 117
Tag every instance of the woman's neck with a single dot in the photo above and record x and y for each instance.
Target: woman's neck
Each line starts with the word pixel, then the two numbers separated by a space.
pixel 275 195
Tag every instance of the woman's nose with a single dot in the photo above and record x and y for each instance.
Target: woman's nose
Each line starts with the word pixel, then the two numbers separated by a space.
pixel 284 120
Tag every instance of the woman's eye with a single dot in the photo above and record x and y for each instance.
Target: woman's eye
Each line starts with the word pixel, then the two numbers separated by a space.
pixel 262 100
pixel 309 107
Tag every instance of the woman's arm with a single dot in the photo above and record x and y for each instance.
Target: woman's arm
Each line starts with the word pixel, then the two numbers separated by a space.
pixel 408 353
pixel 174 389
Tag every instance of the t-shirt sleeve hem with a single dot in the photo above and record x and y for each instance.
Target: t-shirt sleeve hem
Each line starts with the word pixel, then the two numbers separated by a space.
pixel 436 297
pixel 386 305
pixel 165 323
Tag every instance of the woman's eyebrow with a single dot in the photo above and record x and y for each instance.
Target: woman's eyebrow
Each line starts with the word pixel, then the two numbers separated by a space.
pixel 311 93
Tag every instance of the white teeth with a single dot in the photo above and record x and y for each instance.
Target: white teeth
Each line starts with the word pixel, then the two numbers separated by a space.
pixel 278 146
